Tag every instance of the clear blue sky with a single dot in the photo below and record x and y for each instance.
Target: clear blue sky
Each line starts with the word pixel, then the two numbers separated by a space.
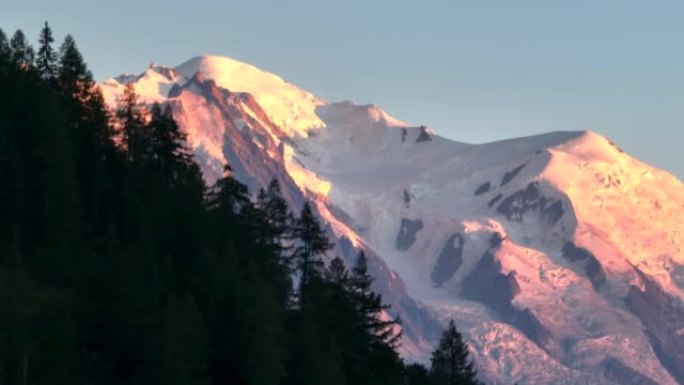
pixel 474 70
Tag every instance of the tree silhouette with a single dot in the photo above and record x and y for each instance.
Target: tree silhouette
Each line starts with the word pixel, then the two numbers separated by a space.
pixel 46 60
pixel 451 364
pixel 21 52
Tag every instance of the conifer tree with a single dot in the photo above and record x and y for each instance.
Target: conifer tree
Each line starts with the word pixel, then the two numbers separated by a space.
pixel 22 54
pixel 337 273
pixel 278 219
pixel 416 374
pixel 95 154
pixel 169 151
pixel 183 345
pixel 228 196
pixel 4 48
pixel 370 305
pixel 311 245
pixel 451 363
pixel 134 135
pixel 72 73
pixel 46 60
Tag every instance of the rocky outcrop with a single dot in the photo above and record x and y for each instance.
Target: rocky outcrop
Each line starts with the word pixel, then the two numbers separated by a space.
pixel 424 135
pixel 530 200
pixel 489 285
pixel 615 370
pixel 494 200
pixel 483 188
pixel 407 233
pixel 407 198
pixel 449 260
pixel 508 176
pixel 592 267
pixel 663 322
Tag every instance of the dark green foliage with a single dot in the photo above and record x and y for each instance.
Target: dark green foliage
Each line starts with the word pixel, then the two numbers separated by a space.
pixel 417 374
pixel 21 52
pixel 311 244
pixel 451 363
pixel 135 134
pixel 370 305
pixel 4 48
pixel 119 266
pixel 73 74
pixel 337 272
pixel 278 225
pixel 46 60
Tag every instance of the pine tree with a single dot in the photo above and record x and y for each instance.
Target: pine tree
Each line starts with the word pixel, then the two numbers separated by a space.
pixel 73 75
pixel 416 374
pixel 169 151
pixel 228 196
pixel 4 48
pixel 22 53
pixel 451 363
pixel 337 273
pixel 134 135
pixel 278 219
pixel 183 346
pixel 95 153
pixel 311 244
pixel 370 305
pixel 46 61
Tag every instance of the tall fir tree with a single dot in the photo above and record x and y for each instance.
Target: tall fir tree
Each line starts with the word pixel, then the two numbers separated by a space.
pixel 311 244
pixel 278 219
pixel 170 153
pixel 95 154
pixel 21 52
pixel 182 344
pixel 451 363
pixel 46 60
pixel 135 137
pixel 74 78
pixel 4 49
pixel 417 374
pixel 370 305
pixel 337 273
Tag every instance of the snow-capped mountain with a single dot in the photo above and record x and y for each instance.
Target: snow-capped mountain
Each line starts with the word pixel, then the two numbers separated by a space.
pixel 560 257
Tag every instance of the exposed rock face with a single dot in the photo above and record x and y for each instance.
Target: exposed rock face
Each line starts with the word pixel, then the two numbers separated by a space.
pixel 483 188
pixel 592 266
pixel 407 198
pixel 488 285
pixel 424 135
pixel 241 148
pixel 530 200
pixel 493 201
pixel 618 372
pixel 508 176
pixel 407 233
pixel 449 260
pixel 663 320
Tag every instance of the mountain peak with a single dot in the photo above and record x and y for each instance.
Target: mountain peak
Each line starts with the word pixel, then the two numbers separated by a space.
pixel 288 106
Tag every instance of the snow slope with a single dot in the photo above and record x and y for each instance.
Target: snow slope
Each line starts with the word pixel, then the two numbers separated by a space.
pixel 559 256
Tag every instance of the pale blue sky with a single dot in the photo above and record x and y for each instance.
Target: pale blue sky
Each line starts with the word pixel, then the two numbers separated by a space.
pixel 473 70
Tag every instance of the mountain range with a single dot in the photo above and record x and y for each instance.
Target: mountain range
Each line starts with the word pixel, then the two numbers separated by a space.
pixel 559 256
